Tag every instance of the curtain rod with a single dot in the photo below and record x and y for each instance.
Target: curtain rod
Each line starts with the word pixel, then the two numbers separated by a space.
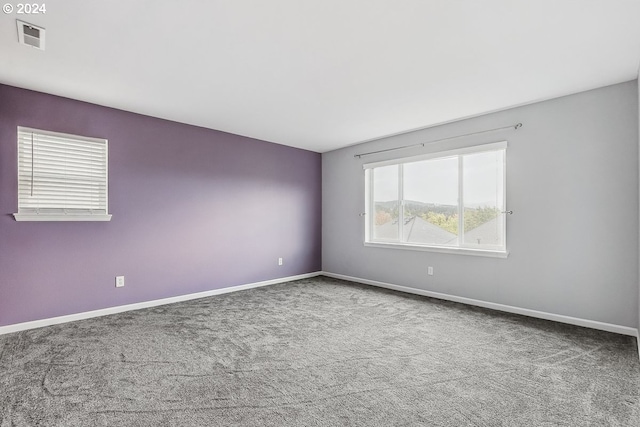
pixel 516 126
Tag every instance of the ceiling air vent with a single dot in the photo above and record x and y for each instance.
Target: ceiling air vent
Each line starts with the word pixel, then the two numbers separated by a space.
pixel 30 35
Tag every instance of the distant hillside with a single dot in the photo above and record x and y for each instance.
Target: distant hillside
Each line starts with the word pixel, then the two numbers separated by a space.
pixel 415 208
pixel 444 216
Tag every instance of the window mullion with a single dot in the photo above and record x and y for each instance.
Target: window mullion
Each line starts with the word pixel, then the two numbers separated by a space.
pixel 460 201
pixel 401 203
pixel 372 208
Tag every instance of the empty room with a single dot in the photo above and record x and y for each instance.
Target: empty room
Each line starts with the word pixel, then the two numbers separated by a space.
pixel 320 213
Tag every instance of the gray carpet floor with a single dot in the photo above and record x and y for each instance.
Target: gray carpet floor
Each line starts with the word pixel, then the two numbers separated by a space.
pixel 318 352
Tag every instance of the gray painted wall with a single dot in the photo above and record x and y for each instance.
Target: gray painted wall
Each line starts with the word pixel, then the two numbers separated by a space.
pixel 572 181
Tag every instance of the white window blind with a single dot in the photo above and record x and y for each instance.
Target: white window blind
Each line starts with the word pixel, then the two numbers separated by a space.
pixel 61 177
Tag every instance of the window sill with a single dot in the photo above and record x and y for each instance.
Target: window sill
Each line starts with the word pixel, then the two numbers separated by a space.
pixel 441 249
pixel 60 217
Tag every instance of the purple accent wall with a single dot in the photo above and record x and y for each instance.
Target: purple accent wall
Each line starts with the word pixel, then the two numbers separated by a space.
pixel 193 209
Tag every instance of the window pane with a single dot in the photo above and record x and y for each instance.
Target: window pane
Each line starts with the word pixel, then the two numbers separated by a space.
pixel 385 203
pixel 484 200
pixel 431 202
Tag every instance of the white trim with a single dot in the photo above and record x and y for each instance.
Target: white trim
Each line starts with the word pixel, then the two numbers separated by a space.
pixel 492 146
pixel 60 217
pixel 593 324
pixel 146 304
pixel 106 181
pixel 441 249
pixel 368 197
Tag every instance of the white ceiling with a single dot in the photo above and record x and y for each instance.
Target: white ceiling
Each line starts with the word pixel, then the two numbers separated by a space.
pixel 322 74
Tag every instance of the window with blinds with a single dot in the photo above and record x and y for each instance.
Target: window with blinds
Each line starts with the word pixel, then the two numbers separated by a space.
pixel 61 177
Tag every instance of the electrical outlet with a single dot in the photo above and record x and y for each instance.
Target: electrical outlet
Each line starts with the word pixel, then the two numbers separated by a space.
pixel 279 261
pixel 119 281
pixel 430 271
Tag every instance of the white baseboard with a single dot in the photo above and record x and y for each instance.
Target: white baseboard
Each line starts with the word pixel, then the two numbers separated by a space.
pixel 146 304
pixel 624 330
